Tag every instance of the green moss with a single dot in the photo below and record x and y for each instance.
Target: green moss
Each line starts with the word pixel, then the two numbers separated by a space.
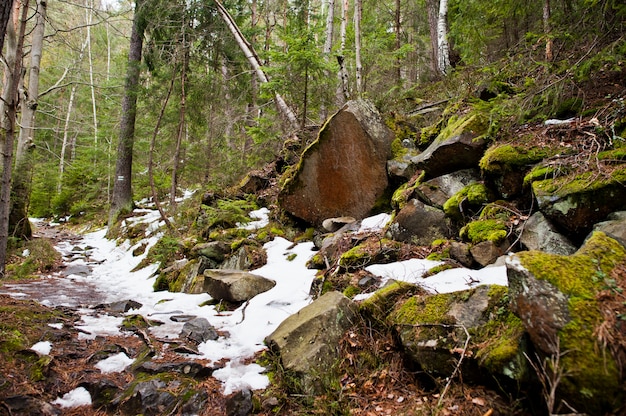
pixel 507 158
pixel 484 230
pixel 397 149
pixel 382 301
pixel 474 122
pixel 424 310
pixel 594 374
pixel 475 195
pixel 592 261
pixel 357 257
pixel 42 258
pixel 351 291
pixel 500 340
pixel 595 377
pixel 587 182
pixel 539 173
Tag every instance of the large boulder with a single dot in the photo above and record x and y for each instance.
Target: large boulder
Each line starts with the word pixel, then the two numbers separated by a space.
pixel 308 341
pixel 235 285
pixel 558 300
pixel 342 173
pixel 614 226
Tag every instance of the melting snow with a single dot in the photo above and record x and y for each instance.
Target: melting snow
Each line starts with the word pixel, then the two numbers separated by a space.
pixel 248 325
pixel 42 347
pixel 77 397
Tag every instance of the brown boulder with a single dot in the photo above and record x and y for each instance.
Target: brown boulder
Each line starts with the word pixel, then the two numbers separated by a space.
pixel 342 173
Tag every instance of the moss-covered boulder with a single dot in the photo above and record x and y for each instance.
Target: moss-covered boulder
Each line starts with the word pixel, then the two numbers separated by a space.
pixel 467 201
pixel 438 190
pixel 574 203
pixel 558 298
pixel 475 325
pixel 460 145
pixel 505 166
pixel 343 172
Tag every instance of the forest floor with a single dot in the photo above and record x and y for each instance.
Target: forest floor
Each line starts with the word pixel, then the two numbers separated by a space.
pixel 375 378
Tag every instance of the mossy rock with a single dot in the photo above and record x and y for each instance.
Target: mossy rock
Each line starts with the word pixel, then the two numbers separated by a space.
pixel 493 230
pixel 372 250
pixel 381 303
pixel 506 158
pixel 432 329
pixel 558 299
pixel 467 200
pixel 574 203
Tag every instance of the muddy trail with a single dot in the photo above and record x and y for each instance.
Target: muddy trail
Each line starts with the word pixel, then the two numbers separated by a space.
pixel 49 310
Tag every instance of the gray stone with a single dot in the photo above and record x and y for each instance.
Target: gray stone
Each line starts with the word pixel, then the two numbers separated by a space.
pixel 614 226
pixel 235 285
pixel 542 307
pixel 198 330
pixel 419 223
pixel 214 250
pixel 539 234
pixel 461 253
pixel 444 156
pixel 437 191
pixel 486 252
pixel 239 404
pixel 308 341
pixel 334 224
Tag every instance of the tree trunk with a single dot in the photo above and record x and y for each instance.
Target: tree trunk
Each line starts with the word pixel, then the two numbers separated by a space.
pixel 122 198
pixel 342 88
pixel 181 122
pixel 328 45
pixel 255 62
pixel 19 225
pixel 443 49
pixel 398 30
pixel 88 22
pixel 432 6
pixel 13 71
pixel 5 15
pixel 547 29
pixel 358 7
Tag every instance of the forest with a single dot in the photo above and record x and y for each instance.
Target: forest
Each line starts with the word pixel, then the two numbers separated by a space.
pixel 207 112
pixel 213 89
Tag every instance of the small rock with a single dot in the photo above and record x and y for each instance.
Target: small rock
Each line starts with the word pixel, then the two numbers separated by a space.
pixel 239 404
pixel 198 330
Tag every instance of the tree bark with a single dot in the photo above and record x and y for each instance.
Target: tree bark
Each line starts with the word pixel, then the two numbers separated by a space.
pixel 255 62
pixel 13 59
pixel 19 226
pixel 328 45
pixel 5 15
pixel 122 198
pixel 547 29
pixel 342 89
pixel 181 120
pixel 443 49
pixel 358 7
pixel 432 9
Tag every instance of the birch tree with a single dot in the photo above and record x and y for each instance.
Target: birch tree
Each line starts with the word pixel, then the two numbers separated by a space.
pixel 19 225
pixel 342 74
pixel 358 8
pixel 443 49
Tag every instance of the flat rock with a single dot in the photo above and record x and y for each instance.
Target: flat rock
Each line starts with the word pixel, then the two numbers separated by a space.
pixel 235 285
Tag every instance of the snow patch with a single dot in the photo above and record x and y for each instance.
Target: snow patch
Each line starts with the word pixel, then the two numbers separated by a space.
pixel 114 364
pixel 75 398
pixel 42 347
